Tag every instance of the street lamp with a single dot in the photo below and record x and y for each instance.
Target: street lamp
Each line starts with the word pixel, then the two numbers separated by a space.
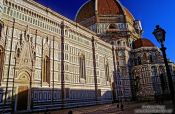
pixel 159 34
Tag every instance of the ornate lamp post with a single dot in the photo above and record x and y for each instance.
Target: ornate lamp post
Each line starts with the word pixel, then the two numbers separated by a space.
pixel 159 34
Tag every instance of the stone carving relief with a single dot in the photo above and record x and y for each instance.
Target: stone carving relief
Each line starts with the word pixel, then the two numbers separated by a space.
pixel 25 55
pixel 46 64
pixel 2 34
pixel 46 48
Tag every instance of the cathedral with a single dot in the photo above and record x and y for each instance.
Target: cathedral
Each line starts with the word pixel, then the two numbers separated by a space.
pixel 48 61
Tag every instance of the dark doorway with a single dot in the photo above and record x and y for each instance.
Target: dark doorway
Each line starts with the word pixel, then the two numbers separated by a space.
pixel 22 98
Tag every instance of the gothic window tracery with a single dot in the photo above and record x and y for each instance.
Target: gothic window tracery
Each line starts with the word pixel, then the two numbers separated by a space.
pixel 46 75
pixel 82 70
pixel 107 71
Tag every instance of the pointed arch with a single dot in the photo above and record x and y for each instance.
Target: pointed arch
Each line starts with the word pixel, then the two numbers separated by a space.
pixel 24 77
pixel 46 70
pixel 46 62
pixel 82 70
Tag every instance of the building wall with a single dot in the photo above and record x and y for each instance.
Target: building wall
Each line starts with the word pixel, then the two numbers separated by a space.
pixel 123 75
pixel 31 33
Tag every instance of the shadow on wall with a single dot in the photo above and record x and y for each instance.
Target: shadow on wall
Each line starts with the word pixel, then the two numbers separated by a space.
pixel 49 99
pixel 1 96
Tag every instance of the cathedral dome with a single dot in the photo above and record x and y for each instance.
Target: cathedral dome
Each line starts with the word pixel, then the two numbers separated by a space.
pixel 86 11
pixel 101 8
pixel 142 43
pixel 128 14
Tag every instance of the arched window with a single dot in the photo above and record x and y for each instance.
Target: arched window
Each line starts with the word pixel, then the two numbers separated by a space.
pixel 107 71
pixel 112 26
pixel 1 62
pixel 82 70
pixel 151 58
pixel 20 39
pixel 18 52
pixel 154 71
pixel 66 32
pixel 46 75
pixel 124 43
pixel 144 56
pixel 118 43
pixel 139 60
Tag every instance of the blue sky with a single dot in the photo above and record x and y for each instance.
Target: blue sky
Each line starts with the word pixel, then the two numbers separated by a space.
pixel 150 12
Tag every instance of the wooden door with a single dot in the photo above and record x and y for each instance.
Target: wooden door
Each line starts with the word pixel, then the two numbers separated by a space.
pixel 22 98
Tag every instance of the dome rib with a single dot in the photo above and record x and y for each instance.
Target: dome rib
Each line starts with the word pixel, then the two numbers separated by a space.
pixel 101 8
pixel 86 11
pixel 97 11
pixel 129 14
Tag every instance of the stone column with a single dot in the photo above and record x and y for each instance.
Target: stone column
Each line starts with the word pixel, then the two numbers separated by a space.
pixel 62 65
pixel 95 73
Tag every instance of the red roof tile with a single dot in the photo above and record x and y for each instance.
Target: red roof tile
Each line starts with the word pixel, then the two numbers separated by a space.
pixel 86 11
pixel 104 7
pixel 142 43
pixel 109 7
